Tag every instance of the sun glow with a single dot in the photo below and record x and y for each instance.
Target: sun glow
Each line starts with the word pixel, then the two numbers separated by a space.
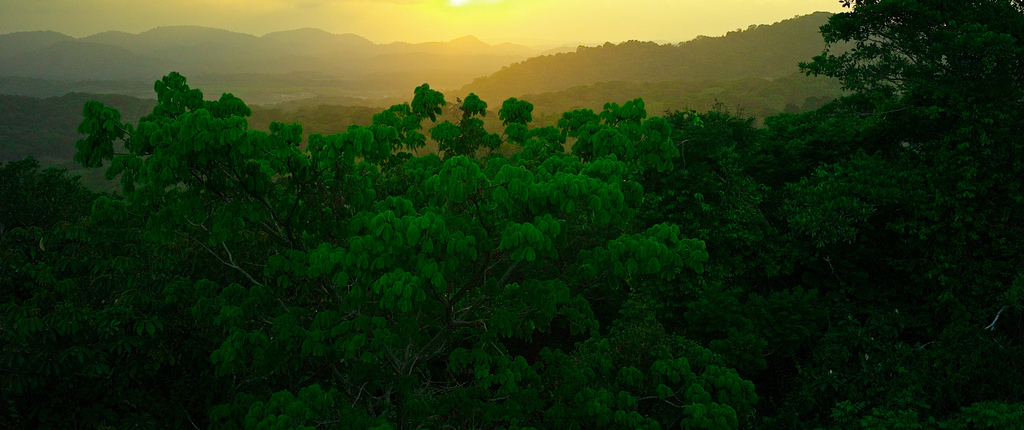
pixel 541 22
pixel 457 3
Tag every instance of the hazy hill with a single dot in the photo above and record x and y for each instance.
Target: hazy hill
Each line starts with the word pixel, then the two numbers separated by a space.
pixel 77 60
pixel 18 43
pixel 765 51
pixel 466 45
pixel 314 41
pixel 310 63
pixel 172 36
pixel 328 81
pixel 752 97
pixel 369 70
pixel 45 88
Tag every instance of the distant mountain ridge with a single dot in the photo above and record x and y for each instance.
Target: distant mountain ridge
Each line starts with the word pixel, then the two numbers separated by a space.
pixel 300 71
pixel 313 64
pixel 77 60
pixel 203 53
pixel 18 43
pixel 765 51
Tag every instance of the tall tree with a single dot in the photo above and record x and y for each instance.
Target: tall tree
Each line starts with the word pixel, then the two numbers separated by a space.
pixel 354 284
pixel 913 232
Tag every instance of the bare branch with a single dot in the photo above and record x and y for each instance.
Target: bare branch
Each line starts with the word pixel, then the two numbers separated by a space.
pixel 993 325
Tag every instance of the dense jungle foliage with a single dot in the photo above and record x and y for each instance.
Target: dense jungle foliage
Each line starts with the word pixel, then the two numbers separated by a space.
pixel 855 266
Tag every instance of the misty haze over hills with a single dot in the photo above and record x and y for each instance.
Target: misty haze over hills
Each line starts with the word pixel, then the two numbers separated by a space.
pixel 765 51
pixel 320 62
pixel 328 81
pixel 310 63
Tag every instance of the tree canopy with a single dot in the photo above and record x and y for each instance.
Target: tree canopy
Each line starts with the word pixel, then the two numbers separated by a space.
pixel 855 266
pixel 352 282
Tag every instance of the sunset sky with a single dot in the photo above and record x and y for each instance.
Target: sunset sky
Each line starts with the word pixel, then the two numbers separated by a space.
pixel 383 21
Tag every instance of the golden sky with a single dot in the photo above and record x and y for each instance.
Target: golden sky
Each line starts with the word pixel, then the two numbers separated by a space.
pixel 383 21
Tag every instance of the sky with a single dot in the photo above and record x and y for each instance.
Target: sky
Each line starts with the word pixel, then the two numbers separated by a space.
pixel 531 22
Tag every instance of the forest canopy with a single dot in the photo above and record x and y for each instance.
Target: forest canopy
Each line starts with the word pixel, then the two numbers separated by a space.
pixel 854 266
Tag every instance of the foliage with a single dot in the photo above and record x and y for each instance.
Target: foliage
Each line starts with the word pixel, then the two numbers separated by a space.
pixel 469 135
pixel 92 332
pixel 46 129
pixel 904 195
pixel 33 198
pixel 320 118
pixel 950 151
pixel 855 266
pixel 352 282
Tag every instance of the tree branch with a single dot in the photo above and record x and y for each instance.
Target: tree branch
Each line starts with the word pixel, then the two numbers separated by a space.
pixel 993 325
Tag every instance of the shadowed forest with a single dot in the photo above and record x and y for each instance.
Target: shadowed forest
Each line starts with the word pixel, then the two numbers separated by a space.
pixel 831 241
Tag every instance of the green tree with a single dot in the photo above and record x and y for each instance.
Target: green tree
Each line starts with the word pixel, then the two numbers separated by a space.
pixel 901 205
pixel 469 135
pixel 91 332
pixel 35 197
pixel 943 81
pixel 354 284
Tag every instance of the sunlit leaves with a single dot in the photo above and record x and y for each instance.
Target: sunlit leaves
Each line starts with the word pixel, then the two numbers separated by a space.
pixel 623 131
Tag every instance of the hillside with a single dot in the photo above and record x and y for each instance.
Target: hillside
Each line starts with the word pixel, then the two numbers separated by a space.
pixel 753 97
pixel 765 51
pixel 312 64
pixel 78 60
pixel 18 43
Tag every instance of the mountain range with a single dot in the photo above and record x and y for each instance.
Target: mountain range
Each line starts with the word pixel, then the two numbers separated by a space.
pixel 329 81
pixel 311 63
pixel 765 52
pixel 331 64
